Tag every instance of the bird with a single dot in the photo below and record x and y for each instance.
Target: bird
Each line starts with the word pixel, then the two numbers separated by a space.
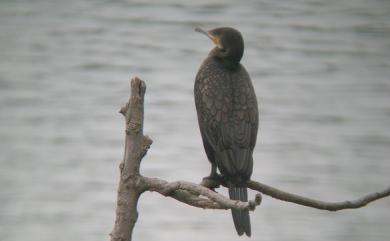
pixel 228 116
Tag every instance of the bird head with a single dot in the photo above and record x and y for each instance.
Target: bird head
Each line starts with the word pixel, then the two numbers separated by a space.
pixel 228 41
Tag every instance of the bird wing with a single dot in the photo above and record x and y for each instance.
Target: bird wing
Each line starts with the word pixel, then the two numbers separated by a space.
pixel 228 119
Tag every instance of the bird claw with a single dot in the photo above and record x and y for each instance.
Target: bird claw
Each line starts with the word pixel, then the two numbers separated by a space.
pixel 212 181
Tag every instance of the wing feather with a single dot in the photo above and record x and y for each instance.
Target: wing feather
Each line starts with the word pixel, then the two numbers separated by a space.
pixel 228 118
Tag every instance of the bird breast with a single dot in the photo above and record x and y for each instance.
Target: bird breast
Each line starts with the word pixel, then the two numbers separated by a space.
pixel 223 95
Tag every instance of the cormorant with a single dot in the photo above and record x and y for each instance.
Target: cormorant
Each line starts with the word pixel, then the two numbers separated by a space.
pixel 228 119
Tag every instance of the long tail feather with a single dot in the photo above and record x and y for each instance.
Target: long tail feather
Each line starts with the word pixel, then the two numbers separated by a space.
pixel 240 217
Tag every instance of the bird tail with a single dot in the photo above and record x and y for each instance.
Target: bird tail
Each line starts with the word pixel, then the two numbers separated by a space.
pixel 241 219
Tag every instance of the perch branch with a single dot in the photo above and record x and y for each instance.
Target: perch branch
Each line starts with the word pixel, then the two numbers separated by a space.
pixel 305 201
pixel 191 193
pixel 308 202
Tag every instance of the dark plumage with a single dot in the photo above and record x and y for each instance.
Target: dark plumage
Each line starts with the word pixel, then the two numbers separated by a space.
pixel 228 116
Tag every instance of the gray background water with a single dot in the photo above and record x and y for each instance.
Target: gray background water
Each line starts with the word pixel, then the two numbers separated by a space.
pixel 321 72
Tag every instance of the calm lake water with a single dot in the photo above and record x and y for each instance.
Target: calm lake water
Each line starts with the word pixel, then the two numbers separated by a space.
pixel 321 70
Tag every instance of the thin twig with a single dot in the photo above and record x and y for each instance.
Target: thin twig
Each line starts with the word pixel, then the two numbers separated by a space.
pixel 308 202
pixel 305 201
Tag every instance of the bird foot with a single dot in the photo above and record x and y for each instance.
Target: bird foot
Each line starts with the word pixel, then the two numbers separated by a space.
pixel 212 181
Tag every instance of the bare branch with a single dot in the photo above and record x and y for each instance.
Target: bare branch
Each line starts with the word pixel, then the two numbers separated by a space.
pixel 308 202
pixel 136 146
pixel 304 201
pixel 189 193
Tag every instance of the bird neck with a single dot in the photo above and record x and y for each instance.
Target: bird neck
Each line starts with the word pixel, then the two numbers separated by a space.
pixel 230 58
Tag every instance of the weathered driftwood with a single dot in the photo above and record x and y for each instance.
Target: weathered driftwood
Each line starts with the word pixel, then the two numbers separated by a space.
pixel 132 184
pixel 136 146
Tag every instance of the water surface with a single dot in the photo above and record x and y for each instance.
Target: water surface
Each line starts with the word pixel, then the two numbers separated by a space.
pixel 321 73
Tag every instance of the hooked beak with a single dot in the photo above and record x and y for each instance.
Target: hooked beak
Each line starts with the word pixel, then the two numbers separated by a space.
pixel 213 38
